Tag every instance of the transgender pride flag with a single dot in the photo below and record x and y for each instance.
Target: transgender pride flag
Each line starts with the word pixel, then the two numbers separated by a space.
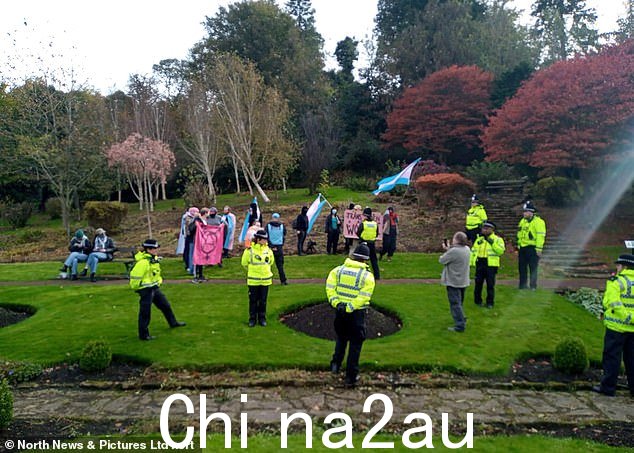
pixel 387 184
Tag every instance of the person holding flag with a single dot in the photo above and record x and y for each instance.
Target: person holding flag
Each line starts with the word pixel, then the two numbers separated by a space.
pixel 253 215
pixel 230 220
pixel 301 226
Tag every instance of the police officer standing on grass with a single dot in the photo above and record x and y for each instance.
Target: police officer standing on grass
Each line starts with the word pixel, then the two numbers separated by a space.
pixel 485 256
pixel 257 260
pixel 349 288
pixel 531 235
pixel 368 231
pixel 476 216
pixel 145 279
pixel 618 318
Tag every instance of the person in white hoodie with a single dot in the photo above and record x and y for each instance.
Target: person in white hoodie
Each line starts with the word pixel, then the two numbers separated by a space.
pixel 455 276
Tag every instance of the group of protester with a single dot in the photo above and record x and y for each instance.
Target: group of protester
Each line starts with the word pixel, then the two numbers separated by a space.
pixel 191 222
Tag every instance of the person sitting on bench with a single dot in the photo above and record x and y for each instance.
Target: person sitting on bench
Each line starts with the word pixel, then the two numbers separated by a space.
pixel 103 250
pixel 79 249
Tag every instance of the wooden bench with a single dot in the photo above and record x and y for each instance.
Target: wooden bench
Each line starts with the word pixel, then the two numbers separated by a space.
pixel 125 255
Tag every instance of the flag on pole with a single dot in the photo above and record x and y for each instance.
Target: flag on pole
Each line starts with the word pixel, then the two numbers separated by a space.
pixel 247 221
pixel 387 184
pixel 314 210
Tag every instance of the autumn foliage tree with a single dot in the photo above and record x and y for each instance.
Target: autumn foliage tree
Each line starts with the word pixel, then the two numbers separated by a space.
pixel 443 189
pixel 443 116
pixel 571 115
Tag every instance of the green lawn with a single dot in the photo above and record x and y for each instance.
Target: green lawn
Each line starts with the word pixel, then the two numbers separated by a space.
pixel 217 336
pixel 403 265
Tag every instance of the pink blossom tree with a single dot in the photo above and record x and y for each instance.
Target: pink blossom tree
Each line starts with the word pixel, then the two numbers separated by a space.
pixel 146 163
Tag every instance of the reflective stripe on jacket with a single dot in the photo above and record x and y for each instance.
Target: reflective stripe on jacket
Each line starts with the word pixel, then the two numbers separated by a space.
pixel 476 215
pixel 350 283
pixel 257 260
pixel 485 249
pixel 618 302
pixel 531 232
pixel 370 230
pixel 146 272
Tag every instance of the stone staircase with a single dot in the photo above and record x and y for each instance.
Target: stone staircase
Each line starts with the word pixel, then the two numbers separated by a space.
pixel 502 200
pixel 564 258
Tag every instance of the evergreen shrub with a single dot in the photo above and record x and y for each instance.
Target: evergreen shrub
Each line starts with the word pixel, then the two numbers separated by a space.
pixel 588 298
pixel 53 208
pixel 17 214
pixel 558 191
pixel 197 194
pixel 481 172
pixel 17 372
pixel 570 356
pixel 105 214
pixel 96 356
pixel 6 404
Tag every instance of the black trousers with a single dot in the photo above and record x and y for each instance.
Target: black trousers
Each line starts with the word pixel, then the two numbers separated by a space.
pixel 483 273
pixel 301 237
pixel 617 346
pixel 333 240
pixel 389 245
pixel 472 234
pixel 528 260
pixel 373 260
pixel 148 297
pixel 350 330
pixel 278 254
pixel 257 303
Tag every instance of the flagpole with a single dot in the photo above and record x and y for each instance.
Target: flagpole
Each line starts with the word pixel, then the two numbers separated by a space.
pixel 325 199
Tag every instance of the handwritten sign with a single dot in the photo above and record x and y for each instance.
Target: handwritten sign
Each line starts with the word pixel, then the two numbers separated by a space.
pixel 352 219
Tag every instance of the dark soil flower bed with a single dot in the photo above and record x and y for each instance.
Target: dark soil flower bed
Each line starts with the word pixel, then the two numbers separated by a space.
pixel 8 316
pixel 317 321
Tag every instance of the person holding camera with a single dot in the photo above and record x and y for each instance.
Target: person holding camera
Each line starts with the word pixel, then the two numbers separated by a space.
pixel 145 279
pixel 258 260
pixel 349 288
pixel 455 276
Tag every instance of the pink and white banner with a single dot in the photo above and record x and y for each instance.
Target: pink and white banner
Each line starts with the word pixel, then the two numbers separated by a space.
pixel 352 219
pixel 208 244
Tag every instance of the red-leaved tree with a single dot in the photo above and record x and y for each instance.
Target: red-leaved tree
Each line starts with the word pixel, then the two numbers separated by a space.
pixel 443 190
pixel 443 116
pixel 571 115
pixel 144 162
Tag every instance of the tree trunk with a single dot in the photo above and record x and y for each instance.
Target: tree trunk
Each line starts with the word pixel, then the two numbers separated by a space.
pixel 235 170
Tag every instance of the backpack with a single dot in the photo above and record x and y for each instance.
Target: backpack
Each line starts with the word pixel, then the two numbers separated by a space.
pixel 294 223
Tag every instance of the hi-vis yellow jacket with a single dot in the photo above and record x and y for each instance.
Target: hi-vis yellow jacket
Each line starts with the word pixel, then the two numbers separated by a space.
pixel 350 283
pixel 490 249
pixel 146 272
pixel 618 302
pixel 532 232
pixel 257 260
pixel 476 216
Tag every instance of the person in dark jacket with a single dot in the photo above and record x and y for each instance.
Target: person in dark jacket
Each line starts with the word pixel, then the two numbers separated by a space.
pixel 103 250
pixel 276 231
pixel 301 226
pixel 333 229
pixel 200 219
pixel 79 249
